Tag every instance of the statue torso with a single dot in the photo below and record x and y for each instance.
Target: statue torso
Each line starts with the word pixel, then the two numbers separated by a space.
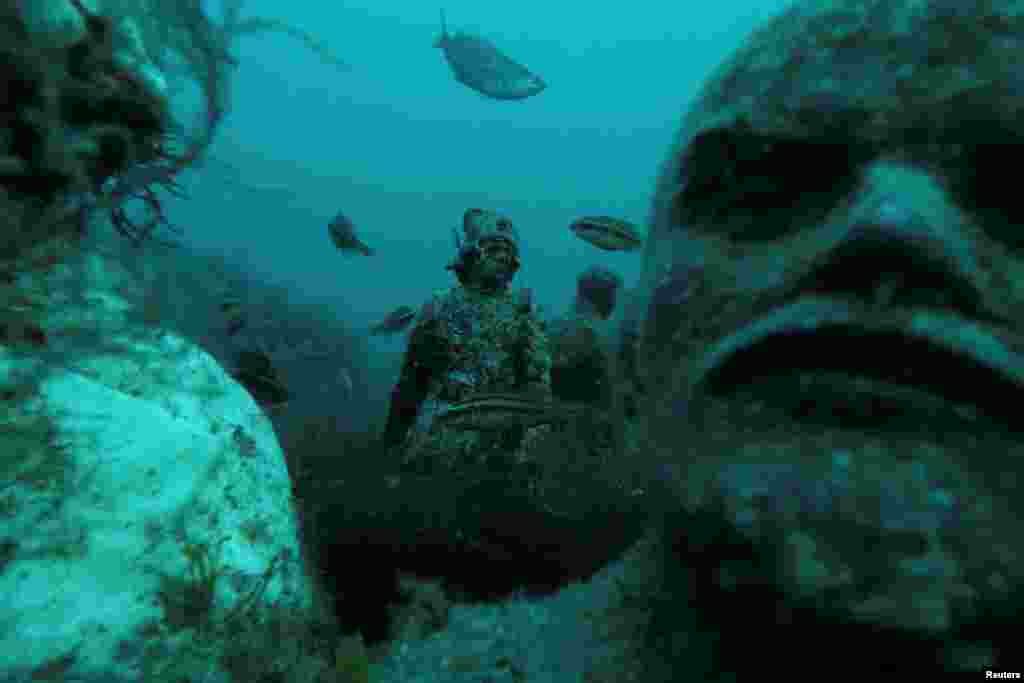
pixel 486 336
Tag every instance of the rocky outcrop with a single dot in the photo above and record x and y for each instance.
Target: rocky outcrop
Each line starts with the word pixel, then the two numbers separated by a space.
pixel 146 508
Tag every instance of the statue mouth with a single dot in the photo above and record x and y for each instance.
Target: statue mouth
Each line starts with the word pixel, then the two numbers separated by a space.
pixel 845 363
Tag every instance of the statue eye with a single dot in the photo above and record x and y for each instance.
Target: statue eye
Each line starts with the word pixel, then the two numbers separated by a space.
pixel 758 188
pixel 978 183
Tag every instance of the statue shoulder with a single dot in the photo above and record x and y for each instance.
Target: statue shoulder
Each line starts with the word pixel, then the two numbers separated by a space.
pixel 435 304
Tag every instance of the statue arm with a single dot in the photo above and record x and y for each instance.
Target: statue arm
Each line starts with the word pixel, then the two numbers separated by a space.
pixel 425 358
pixel 537 361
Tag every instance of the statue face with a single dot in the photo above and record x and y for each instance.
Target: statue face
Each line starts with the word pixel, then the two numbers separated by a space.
pixel 835 285
pixel 497 264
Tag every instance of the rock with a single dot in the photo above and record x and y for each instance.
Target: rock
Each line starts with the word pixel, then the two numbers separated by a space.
pixel 146 505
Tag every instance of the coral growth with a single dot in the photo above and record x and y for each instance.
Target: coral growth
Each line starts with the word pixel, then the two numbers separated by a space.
pixel 87 125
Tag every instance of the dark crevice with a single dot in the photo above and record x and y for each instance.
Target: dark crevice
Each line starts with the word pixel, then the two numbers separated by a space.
pixel 760 187
pixel 858 268
pixel 887 357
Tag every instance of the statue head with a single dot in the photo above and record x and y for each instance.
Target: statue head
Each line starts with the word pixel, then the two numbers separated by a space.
pixel 488 251
pixel 835 314
pixel 597 289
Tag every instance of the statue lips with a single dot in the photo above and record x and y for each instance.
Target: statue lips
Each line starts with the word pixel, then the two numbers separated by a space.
pixel 844 359
pixel 888 323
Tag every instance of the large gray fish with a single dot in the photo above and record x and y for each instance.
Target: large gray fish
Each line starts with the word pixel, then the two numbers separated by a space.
pixel 507 410
pixel 478 64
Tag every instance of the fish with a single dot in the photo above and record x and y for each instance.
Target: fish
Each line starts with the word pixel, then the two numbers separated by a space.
pixel 608 233
pixel 506 410
pixel 343 233
pixel 395 321
pixel 479 65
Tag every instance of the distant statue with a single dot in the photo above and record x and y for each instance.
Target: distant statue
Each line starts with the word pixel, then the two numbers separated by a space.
pixel 475 338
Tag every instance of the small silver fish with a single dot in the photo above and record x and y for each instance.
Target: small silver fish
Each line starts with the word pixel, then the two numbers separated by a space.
pixel 343 233
pixel 506 410
pixel 608 233
pixel 395 321
pixel 479 65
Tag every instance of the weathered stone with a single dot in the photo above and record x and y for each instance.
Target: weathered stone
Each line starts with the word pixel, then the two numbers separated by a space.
pixel 833 339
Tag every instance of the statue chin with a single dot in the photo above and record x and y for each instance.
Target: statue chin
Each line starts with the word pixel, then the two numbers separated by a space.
pixel 493 281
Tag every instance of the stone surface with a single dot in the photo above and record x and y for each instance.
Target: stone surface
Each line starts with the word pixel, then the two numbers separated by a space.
pixel 145 503
pixel 833 337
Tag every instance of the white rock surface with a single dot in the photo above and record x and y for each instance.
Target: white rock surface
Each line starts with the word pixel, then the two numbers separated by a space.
pixel 123 447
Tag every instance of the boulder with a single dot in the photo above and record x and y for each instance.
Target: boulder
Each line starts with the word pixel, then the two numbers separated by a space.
pixel 145 505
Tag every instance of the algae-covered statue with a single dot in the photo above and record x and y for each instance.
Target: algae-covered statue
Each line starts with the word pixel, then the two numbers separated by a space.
pixel 835 328
pixel 478 337
pixel 580 369
pixel 581 362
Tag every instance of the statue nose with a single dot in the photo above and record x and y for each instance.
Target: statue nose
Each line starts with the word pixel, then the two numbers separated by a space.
pixel 903 209
pixel 894 223
pixel 896 219
pixel 893 252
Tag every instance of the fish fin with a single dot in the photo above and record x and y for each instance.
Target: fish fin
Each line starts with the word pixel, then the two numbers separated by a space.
pixel 458 240
pixel 363 249
pixel 443 38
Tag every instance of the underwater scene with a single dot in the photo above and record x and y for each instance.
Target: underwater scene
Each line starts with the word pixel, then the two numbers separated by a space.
pixel 381 342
